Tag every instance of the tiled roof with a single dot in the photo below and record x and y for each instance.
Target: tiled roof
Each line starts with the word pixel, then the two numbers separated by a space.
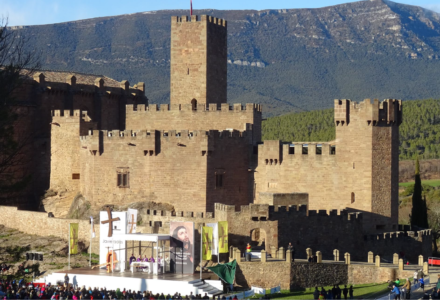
pixel 81 78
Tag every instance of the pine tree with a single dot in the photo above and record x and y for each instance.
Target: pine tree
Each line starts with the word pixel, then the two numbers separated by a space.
pixel 419 212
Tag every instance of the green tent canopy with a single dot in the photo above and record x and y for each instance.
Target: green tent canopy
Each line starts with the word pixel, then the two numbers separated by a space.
pixel 226 271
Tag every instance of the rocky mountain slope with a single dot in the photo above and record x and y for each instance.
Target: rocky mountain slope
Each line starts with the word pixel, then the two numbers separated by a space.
pixel 288 60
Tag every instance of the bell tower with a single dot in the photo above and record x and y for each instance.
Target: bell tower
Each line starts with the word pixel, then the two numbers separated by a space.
pixel 198 60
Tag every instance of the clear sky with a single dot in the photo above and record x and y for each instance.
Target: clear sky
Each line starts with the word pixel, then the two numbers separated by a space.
pixel 34 12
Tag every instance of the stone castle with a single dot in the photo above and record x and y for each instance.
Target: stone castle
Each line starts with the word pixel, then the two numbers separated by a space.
pixel 206 158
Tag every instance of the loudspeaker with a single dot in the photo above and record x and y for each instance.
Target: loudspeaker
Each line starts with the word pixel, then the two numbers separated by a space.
pixel 40 257
pixel 27 256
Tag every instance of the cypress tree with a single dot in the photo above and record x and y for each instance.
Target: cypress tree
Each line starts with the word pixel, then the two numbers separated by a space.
pixel 419 212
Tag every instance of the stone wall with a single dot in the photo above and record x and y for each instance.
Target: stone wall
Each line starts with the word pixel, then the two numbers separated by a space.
pixel 363 274
pixel 103 99
pixel 39 223
pixel 266 275
pixel 304 275
pixel 309 275
pixel 359 174
pixel 319 231
pixel 206 117
pixel 179 168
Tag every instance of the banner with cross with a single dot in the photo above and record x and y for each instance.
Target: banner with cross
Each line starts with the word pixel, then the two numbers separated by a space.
pixel 131 220
pixel 74 238
pixel 223 237
pixel 207 243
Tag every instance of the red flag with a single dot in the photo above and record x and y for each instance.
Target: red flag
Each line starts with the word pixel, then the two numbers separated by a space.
pixel 191 7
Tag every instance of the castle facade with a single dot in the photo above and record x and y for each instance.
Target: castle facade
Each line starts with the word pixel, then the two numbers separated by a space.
pixel 207 159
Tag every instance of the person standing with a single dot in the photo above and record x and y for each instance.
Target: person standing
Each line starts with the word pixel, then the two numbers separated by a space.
pixel 396 292
pixel 406 290
pixel 132 258
pixel 316 293
pixel 350 292
pixel 438 285
pixel 415 277
pixel 345 292
pixel 248 252
pixel 66 281
pixel 292 250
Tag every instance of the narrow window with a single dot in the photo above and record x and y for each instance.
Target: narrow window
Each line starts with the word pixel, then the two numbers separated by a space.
pixel 194 104
pixel 267 161
pixel 123 178
pixel 75 176
pixel 305 149
pixel 187 72
pixel 291 149
pixel 318 149
pixel 354 167
pixel 218 181
pixel 332 150
pixel 353 197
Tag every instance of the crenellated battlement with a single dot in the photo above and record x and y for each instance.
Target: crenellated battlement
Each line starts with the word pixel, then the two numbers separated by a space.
pixel 67 113
pixel 396 235
pixel 166 134
pixel 213 107
pixel 388 112
pixel 282 212
pixel 202 18
pixel 265 212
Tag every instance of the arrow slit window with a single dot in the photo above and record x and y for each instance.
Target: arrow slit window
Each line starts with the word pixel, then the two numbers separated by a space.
pixel 123 178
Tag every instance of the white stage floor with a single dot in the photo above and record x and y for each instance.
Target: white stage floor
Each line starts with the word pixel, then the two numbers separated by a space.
pixel 168 283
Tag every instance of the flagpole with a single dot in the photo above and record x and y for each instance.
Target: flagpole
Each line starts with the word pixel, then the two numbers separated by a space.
pixel 201 249
pixel 69 246
pixel 218 247
pixel 91 233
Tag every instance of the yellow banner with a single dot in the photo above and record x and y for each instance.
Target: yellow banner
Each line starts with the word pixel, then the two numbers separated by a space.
pixel 73 238
pixel 223 237
pixel 207 243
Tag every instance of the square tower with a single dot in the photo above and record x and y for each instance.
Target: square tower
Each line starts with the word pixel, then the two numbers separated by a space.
pixel 198 60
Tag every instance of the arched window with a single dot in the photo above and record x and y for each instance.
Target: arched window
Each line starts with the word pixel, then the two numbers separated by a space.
pixel 352 197
pixel 194 104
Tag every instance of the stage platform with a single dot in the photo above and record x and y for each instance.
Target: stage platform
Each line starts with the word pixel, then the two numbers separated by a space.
pixel 139 281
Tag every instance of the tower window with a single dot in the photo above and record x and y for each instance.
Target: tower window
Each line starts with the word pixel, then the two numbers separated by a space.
pixel 332 150
pixel 291 149
pixel 194 104
pixel 318 149
pixel 75 176
pixel 305 149
pixel 218 181
pixel 353 197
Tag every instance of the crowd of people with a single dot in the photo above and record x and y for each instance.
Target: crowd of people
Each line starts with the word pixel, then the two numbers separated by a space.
pixel 334 293
pixel 21 290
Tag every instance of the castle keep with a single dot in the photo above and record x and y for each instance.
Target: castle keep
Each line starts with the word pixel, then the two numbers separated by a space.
pixel 206 158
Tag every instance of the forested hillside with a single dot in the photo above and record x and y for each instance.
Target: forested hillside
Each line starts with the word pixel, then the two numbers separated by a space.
pixel 419 132
pixel 288 59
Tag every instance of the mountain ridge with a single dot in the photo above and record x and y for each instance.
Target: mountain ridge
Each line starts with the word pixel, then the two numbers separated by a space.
pixel 286 59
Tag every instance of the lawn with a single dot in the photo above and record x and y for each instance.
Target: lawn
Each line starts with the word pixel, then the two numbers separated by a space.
pixel 433 182
pixel 361 291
